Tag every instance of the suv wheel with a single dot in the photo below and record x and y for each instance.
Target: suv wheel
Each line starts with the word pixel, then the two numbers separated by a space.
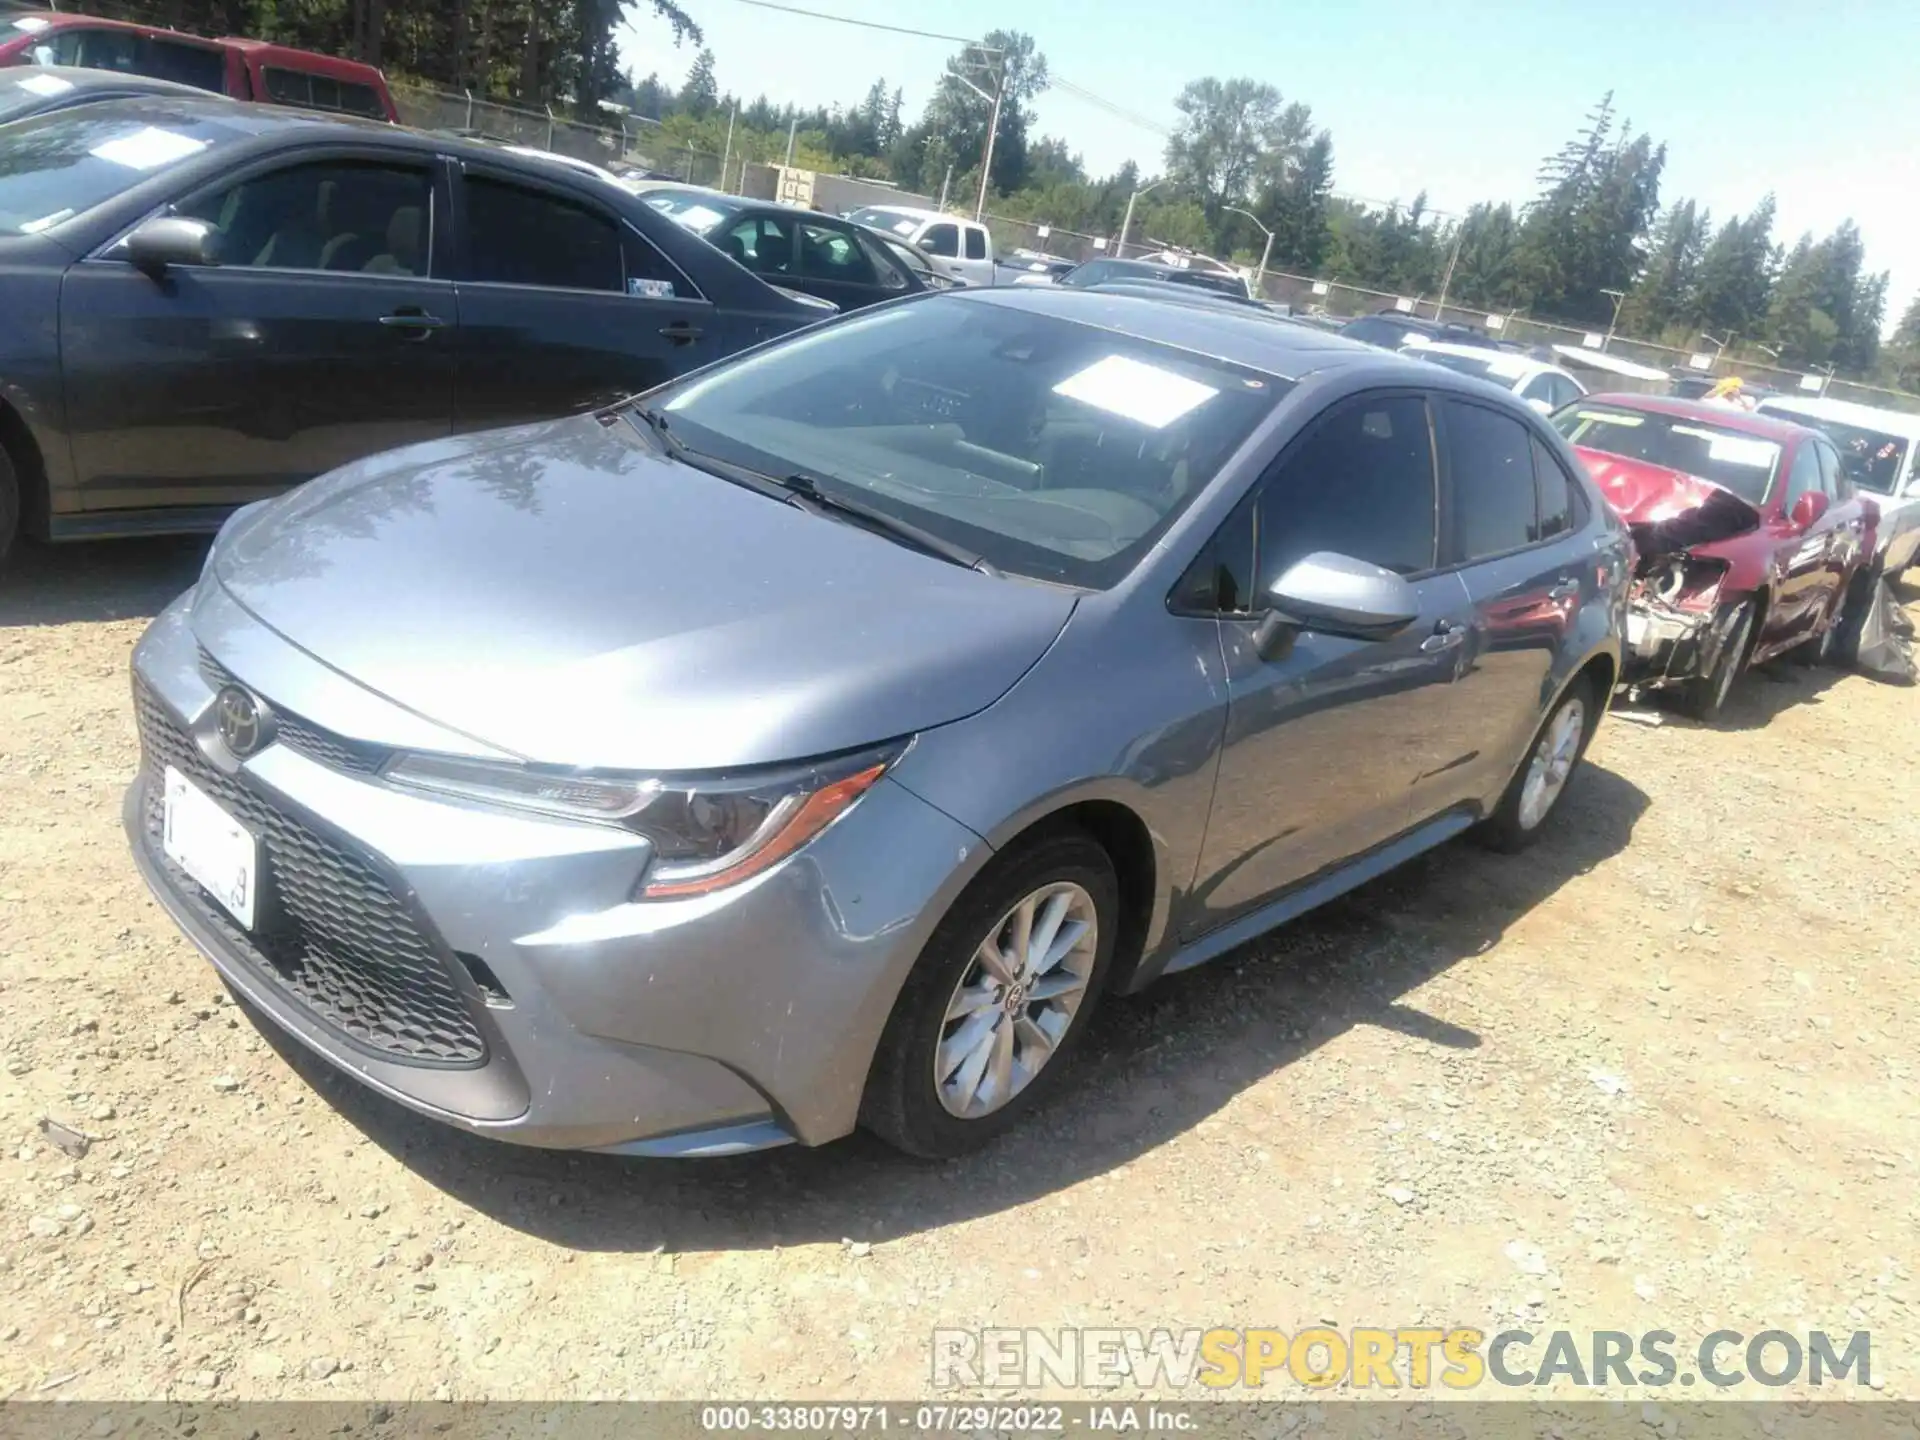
pixel 1702 696
pixel 1542 778
pixel 1002 993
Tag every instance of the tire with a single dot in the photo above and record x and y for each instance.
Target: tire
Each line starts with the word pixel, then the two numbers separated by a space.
pixel 1703 696
pixel 904 1103
pixel 1545 770
pixel 1819 650
pixel 9 504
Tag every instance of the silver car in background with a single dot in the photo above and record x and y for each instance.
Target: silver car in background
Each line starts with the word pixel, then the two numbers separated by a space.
pixel 814 740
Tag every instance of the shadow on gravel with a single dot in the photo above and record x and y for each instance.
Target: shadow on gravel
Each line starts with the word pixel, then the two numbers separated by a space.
pixel 1154 1066
pixel 98 579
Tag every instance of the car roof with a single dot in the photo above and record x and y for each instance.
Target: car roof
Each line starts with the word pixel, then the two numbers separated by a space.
pixel 1726 417
pixel 314 60
pixel 1241 335
pixel 1847 412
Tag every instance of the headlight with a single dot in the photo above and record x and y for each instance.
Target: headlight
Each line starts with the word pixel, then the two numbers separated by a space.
pixel 708 832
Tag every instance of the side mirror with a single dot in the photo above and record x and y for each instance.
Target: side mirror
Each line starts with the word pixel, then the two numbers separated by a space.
pixel 1338 595
pixel 1808 509
pixel 169 240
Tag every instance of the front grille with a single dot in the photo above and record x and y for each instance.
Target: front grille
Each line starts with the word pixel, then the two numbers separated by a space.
pixel 329 931
pixel 321 746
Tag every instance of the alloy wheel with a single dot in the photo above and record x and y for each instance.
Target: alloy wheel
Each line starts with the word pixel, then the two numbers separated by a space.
pixel 1552 762
pixel 1016 999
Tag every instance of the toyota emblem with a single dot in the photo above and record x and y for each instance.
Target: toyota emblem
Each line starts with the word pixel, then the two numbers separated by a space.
pixel 245 724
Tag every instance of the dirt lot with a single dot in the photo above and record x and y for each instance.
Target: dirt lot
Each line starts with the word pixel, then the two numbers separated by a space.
pixel 1657 1073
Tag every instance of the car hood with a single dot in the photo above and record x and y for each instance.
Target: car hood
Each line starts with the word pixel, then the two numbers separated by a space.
pixel 567 593
pixel 1668 510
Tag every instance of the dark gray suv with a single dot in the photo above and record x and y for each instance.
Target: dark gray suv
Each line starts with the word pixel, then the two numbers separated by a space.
pixel 814 740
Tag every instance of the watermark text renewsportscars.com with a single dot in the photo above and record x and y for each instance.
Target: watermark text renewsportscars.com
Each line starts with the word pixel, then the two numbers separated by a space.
pixel 1404 1358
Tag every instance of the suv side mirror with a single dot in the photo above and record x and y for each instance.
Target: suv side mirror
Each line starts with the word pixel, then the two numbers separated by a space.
pixel 168 240
pixel 1338 595
pixel 1808 509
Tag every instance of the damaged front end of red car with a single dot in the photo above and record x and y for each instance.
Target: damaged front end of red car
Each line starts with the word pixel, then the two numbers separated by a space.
pixel 1676 619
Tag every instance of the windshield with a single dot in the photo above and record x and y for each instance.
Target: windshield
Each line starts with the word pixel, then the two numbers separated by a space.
pixel 697 211
pixel 1873 459
pixel 1744 464
pixel 1055 450
pixel 881 218
pixel 57 165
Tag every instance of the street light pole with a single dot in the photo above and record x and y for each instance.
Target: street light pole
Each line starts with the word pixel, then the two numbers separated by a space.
pixel 993 120
pixel 1619 298
pixel 1446 280
pixel 1265 254
pixel 1126 224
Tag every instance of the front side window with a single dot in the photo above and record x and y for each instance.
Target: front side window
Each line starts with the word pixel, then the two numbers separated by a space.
pixel 58 165
pixel 1833 479
pixel 1744 464
pixel 195 65
pixel 517 236
pixel 1361 484
pixel 1804 477
pixel 1491 483
pixel 1056 450
pixel 102 49
pixel 976 243
pixel 340 216
pixel 942 240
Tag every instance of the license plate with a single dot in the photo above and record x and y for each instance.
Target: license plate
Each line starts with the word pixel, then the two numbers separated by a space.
pixel 211 846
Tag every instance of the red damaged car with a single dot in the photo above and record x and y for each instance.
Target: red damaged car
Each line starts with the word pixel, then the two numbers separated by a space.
pixel 1748 533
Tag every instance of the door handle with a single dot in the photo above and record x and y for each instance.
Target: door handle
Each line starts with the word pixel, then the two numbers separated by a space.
pixel 1444 637
pixel 412 317
pixel 682 333
pixel 1565 590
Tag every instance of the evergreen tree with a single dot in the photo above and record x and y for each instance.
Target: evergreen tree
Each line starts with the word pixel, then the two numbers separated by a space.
pixel 701 94
pixel 1735 275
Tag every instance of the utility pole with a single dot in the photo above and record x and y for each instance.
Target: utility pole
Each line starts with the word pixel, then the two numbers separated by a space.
pixel 1619 298
pixel 727 158
pixel 1265 254
pixel 1446 280
pixel 793 129
pixel 993 120
pixel 944 184
pixel 1126 224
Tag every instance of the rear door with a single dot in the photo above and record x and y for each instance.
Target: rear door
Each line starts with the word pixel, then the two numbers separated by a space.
pixel 563 305
pixel 325 334
pixel 1325 745
pixel 1509 514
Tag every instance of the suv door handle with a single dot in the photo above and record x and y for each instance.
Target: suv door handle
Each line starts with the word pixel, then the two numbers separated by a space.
pixel 1565 590
pixel 682 333
pixel 1445 636
pixel 412 317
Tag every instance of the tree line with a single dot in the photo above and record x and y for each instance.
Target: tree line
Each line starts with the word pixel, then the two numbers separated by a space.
pixel 1597 233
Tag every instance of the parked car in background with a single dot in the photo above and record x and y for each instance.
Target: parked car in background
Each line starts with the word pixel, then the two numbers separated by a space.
pixel 1188 295
pixel 242 69
pixel 1022 263
pixel 1081 638
pixel 1880 454
pixel 208 303
pixel 1748 533
pixel 955 246
pixel 1107 269
pixel 1543 387
pixel 34 90
pixel 1391 330
pixel 804 250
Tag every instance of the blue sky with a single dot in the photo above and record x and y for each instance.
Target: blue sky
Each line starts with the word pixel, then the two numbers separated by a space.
pixel 1460 98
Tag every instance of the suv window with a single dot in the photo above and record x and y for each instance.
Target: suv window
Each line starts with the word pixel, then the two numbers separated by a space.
pixel 1361 484
pixel 1557 498
pixel 1491 489
pixel 942 240
pixel 976 243
pixel 337 215
pixel 1804 476
pixel 517 236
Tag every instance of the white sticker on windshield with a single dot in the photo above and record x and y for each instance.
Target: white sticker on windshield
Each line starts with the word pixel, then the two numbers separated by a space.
pixel 148 149
pixel 32 24
pixel 1127 388
pixel 1741 450
pixel 699 217
pixel 905 227
pixel 48 85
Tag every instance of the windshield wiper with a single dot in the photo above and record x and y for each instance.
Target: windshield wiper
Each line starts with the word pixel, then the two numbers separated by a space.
pixel 808 489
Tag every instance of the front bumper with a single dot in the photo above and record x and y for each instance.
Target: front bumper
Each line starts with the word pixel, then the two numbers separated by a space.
pixel 718 1023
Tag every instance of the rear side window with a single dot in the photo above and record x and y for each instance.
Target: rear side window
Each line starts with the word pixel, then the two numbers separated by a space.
pixel 1362 484
pixel 1491 490
pixel 321 92
pixel 942 240
pixel 976 243
pixel 1557 499
pixel 517 236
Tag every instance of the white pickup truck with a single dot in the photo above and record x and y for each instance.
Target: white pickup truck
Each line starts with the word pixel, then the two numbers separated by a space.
pixel 954 246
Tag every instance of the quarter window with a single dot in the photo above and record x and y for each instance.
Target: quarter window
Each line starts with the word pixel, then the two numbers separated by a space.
pixel 1555 498
pixel 1361 484
pixel 527 237
pixel 1490 467
pixel 339 215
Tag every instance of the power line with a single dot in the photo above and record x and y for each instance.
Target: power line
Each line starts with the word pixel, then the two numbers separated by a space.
pixel 865 24
pixel 1120 111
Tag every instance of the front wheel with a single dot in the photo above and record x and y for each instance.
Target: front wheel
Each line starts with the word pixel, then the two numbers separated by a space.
pixel 999 998
pixel 1542 778
pixel 1703 696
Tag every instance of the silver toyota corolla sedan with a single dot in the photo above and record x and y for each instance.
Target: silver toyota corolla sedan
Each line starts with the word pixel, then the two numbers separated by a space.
pixel 813 741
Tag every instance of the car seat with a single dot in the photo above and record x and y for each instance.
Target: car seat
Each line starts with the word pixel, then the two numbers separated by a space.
pixel 403 253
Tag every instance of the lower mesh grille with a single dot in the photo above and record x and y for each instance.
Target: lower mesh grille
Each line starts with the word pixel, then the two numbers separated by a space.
pixel 329 931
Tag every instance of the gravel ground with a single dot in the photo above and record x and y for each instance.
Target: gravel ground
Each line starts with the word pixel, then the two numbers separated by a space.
pixel 1653 1074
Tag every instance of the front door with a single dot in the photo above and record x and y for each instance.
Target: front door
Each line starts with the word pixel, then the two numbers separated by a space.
pixel 1325 744
pixel 563 306
pixel 323 335
pixel 1805 558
